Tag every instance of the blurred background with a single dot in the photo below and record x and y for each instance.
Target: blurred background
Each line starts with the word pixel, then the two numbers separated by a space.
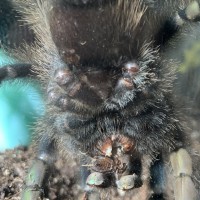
pixel 21 100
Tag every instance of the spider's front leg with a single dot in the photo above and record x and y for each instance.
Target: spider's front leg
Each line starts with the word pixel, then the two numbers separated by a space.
pixel 191 13
pixel 184 187
pixel 39 170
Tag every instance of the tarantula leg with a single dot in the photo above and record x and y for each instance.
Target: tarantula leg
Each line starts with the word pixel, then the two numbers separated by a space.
pixel 34 181
pixel 158 177
pixel 16 71
pixel 190 13
pixel 89 191
pixel 39 171
pixel 181 163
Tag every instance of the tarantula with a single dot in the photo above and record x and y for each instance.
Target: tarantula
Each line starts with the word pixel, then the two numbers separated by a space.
pixel 108 90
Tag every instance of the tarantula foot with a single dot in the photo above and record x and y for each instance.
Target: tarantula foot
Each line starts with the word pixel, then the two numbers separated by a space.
pixel 127 182
pixel 190 13
pixel 97 179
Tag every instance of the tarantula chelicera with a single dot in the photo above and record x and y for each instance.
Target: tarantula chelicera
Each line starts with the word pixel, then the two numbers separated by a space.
pixel 108 90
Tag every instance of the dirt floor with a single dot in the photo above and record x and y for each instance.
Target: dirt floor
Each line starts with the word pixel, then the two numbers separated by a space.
pixel 62 185
pixel 14 166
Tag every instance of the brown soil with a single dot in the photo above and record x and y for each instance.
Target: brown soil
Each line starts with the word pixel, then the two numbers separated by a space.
pixel 62 185
pixel 14 165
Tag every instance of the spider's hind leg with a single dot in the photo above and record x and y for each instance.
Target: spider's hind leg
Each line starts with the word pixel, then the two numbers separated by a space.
pixel 40 170
pixel 158 179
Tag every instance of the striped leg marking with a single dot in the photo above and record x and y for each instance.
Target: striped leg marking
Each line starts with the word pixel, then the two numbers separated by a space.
pixel 184 188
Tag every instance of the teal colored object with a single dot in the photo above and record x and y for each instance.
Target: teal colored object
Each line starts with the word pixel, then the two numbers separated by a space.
pixel 5 59
pixel 20 105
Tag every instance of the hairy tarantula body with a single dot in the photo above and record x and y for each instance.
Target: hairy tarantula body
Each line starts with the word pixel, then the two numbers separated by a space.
pixel 109 92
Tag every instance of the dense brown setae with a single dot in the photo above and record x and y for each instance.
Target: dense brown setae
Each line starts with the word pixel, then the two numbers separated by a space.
pixel 108 91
